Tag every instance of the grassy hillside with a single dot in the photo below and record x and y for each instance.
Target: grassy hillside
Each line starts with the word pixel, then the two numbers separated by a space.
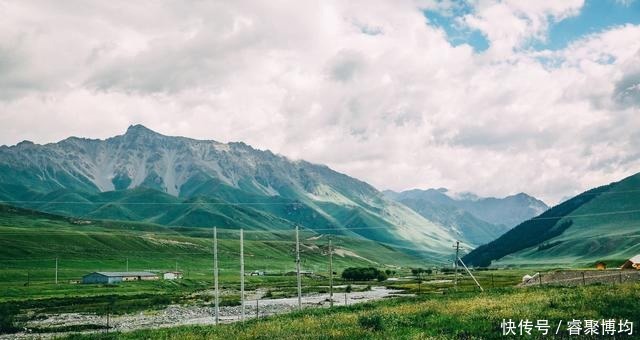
pixel 600 224
pixel 31 241
pixel 231 208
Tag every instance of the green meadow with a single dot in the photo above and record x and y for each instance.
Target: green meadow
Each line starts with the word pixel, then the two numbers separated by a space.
pixel 30 243
pixel 454 315
pixel 432 307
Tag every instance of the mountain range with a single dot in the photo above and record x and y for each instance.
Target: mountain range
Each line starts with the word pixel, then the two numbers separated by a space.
pixel 601 224
pixel 145 176
pixel 472 219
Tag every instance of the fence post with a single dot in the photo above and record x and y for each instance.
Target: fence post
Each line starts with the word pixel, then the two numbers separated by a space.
pixel 584 282
pixel 540 278
pixel 493 285
pixel 620 275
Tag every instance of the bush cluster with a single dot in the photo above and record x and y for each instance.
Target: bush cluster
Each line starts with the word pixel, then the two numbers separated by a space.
pixel 371 322
pixel 420 271
pixel 8 315
pixel 363 274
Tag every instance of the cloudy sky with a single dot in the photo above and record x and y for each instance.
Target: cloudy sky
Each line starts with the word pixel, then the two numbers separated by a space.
pixel 494 97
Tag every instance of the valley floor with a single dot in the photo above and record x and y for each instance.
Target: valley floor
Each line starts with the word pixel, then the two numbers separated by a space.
pixel 469 315
pixel 175 315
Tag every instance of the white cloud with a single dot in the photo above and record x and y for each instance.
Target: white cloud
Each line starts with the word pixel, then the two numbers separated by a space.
pixel 510 24
pixel 365 87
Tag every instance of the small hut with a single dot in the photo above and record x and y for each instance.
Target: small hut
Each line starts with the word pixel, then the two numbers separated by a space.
pixel 172 275
pixel 115 277
pixel 601 266
pixel 632 263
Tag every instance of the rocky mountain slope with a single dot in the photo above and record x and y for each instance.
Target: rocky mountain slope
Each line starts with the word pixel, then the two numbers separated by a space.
pixel 143 175
pixel 476 220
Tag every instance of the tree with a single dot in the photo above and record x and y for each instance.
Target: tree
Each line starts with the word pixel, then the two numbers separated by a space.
pixel 419 271
pixel 363 274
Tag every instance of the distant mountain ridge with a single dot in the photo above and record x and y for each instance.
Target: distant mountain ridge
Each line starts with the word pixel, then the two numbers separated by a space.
pixel 601 224
pixel 143 175
pixel 474 219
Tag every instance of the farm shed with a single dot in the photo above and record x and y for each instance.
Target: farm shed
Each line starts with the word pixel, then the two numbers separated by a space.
pixel 632 263
pixel 172 275
pixel 115 277
pixel 601 266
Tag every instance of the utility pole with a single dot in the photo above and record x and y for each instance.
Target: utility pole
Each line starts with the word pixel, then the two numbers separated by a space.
pixel 215 273
pixel 127 264
pixel 56 270
pixel 456 263
pixel 242 272
pixel 470 274
pixel 330 274
pixel 298 269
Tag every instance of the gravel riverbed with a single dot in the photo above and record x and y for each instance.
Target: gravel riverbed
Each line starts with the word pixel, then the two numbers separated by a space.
pixel 176 315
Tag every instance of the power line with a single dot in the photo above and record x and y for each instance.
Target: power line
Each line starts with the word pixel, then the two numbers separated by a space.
pixel 298 269
pixel 608 192
pixel 233 203
pixel 141 253
pixel 586 215
pixel 242 273
pixel 215 274
pixel 282 232
pixel 153 203
pixel 229 229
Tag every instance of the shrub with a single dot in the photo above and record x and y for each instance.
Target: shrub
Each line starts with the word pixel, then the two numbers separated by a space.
pixel 419 271
pixel 371 322
pixel 230 301
pixel 8 314
pixel 363 274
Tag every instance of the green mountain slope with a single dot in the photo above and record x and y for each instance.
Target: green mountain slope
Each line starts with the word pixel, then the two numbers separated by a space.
pixel 599 224
pixel 31 240
pixel 177 181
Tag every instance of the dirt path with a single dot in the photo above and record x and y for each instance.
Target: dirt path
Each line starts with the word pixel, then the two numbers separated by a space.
pixel 176 315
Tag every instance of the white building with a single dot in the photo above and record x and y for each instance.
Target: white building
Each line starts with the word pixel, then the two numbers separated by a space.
pixel 115 277
pixel 172 275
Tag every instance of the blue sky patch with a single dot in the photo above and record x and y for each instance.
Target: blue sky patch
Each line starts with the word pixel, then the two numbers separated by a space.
pixel 595 16
pixel 456 34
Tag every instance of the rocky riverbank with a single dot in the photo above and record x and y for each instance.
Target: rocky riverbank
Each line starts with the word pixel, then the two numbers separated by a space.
pixel 176 315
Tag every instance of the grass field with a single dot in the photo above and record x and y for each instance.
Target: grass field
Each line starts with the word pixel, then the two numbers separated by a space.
pixel 30 243
pixel 468 315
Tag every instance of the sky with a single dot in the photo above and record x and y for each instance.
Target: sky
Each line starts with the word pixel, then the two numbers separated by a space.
pixel 492 97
